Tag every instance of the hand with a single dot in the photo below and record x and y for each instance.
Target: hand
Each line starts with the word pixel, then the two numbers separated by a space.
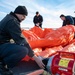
pixel 38 24
pixel 38 60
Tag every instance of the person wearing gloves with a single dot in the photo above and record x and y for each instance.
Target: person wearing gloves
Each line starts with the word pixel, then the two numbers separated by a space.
pixel 12 53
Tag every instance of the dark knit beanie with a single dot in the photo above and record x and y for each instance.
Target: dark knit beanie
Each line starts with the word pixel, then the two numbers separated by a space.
pixel 21 10
pixel 37 12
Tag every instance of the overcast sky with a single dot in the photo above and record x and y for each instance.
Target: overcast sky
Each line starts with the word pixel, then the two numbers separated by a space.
pixel 49 9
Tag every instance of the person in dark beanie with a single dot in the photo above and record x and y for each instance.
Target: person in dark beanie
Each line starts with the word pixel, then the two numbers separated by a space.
pixel 12 53
pixel 67 20
pixel 38 19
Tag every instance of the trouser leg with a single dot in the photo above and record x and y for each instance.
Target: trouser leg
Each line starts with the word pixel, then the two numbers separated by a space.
pixel 12 54
pixel 40 25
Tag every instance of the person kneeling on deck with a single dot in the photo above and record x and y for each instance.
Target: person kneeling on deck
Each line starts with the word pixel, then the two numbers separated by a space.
pixel 12 53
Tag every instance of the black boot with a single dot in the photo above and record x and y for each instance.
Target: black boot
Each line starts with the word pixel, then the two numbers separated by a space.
pixel 4 70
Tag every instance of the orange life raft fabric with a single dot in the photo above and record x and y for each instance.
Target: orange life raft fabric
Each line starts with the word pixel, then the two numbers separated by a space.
pixel 46 31
pixel 69 48
pixel 38 31
pixel 47 52
pixel 72 41
pixel 50 51
pixel 37 51
pixel 61 36
pixel 29 35
pixel 41 32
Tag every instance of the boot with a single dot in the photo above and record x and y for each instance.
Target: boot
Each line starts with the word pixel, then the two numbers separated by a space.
pixel 4 70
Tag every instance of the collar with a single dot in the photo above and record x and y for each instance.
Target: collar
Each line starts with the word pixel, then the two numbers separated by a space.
pixel 13 14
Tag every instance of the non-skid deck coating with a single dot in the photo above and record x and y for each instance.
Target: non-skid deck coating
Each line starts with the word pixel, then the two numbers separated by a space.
pixel 25 67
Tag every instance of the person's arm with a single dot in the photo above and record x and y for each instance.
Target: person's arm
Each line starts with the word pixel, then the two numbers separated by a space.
pixel 14 30
pixel 64 23
pixel 41 19
pixel 34 20
pixel 71 21
pixel 39 61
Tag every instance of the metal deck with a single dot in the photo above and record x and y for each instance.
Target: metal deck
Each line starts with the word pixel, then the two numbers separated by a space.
pixel 25 67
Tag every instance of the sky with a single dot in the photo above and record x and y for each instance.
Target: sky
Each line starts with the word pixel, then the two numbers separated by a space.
pixel 49 9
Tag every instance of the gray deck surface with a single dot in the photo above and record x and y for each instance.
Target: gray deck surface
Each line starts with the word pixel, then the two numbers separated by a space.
pixel 25 67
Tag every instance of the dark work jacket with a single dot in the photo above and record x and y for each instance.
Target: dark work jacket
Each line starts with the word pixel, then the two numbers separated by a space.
pixel 10 29
pixel 69 21
pixel 38 19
